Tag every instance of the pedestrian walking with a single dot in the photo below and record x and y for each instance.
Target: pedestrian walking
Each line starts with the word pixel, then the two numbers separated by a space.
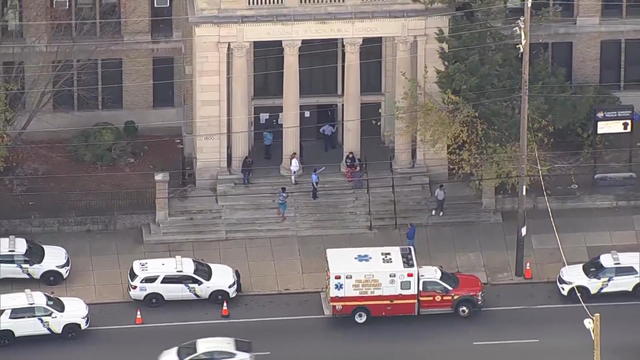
pixel 267 139
pixel 282 203
pixel 246 170
pixel 327 134
pixel 411 235
pixel 315 182
pixel 294 167
pixel 440 195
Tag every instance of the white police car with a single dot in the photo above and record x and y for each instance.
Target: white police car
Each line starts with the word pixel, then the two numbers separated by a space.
pixel 26 259
pixel 607 273
pixel 213 348
pixel 36 313
pixel 156 280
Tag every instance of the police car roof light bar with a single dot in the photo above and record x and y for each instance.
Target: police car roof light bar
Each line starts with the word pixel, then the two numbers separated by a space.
pixel 12 243
pixel 615 257
pixel 179 263
pixel 29 295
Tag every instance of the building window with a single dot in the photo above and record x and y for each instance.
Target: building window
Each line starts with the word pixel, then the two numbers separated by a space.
pixel 85 19
pixel 111 83
pixel 633 8
pixel 318 67
pixel 86 85
pixel 268 65
pixel 558 55
pixel 13 79
pixel 557 8
pixel 631 64
pixel 612 8
pixel 163 84
pixel 562 59
pixel 610 64
pixel 161 21
pixel 11 19
pixel 63 86
pixel 371 65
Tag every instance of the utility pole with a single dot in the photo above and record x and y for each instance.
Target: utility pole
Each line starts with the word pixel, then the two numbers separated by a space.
pixel 596 336
pixel 523 28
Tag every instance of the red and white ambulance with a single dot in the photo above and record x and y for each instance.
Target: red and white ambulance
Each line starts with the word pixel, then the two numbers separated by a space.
pixel 386 281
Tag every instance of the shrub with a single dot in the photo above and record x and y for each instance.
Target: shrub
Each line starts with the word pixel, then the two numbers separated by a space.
pixel 130 129
pixel 95 145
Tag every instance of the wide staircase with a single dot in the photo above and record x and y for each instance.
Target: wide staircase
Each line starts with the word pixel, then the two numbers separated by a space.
pixel 237 211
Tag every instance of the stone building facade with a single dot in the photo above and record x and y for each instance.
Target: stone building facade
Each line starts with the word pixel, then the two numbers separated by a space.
pixel 73 63
pixel 232 85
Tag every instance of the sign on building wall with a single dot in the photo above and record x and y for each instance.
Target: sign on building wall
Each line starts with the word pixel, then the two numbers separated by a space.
pixel 614 120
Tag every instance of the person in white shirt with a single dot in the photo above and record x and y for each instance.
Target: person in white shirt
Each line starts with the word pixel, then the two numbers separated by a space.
pixel 294 167
pixel 327 133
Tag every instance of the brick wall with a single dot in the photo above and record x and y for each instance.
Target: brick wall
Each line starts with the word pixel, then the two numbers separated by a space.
pixel 137 74
pixel 136 14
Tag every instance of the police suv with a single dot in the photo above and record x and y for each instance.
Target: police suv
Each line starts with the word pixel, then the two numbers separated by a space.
pixel 607 273
pixel 212 348
pixel 26 259
pixel 156 280
pixel 36 313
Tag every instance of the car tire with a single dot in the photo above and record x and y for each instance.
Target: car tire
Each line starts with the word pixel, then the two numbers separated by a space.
pixel 219 296
pixel 6 338
pixel 360 315
pixel 51 278
pixel 153 300
pixel 584 293
pixel 464 309
pixel 636 290
pixel 70 331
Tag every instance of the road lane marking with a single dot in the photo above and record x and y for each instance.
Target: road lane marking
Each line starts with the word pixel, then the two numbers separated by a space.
pixel 553 306
pixel 205 322
pixel 261 353
pixel 307 317
pixel 498 342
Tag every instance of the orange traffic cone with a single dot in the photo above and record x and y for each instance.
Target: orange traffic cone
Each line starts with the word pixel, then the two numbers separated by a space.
pixel 225 310
pixel 528 274
pixel 139 320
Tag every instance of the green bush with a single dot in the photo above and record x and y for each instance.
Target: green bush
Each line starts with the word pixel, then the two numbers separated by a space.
pixel 96 145
pixel 130 129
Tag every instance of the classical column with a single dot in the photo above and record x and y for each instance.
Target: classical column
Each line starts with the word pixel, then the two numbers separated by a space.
pixel 223 49
pixel 402 136
pixel 239 105
pixel 420 77
pixel 290 103
pixel 351 120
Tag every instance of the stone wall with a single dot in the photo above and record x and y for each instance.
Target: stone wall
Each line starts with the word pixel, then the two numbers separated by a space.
pixel 75 224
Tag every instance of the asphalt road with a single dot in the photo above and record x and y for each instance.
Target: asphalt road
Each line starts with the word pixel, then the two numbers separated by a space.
pixel 521 322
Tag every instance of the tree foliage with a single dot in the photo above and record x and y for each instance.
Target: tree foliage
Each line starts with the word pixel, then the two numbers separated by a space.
pixel 480 110
pixel 6 114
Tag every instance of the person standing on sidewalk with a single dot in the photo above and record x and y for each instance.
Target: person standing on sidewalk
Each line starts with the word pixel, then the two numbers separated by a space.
pixel 247 165
pixel 327 134
pixel 282 203
pixel 440 195
pixel 267 139
pixel 294 167
pixel 411 235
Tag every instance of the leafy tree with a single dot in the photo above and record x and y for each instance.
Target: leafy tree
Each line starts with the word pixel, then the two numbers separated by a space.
pixel 6 114
pixel 480 109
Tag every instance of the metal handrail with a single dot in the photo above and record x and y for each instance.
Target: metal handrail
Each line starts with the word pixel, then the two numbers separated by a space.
pixel 366 174
pixel 393 191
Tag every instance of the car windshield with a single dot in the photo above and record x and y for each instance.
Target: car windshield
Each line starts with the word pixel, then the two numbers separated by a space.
pixel 202 270
pixel 187 349
pixel 55 303
pixel 35 252
pixel 592 267
pixel 449 279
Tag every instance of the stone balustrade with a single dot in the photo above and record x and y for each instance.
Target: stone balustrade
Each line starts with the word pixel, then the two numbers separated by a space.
pixel 212 6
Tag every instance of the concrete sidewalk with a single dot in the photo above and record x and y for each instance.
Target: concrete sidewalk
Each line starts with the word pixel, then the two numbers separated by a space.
pixel 100 261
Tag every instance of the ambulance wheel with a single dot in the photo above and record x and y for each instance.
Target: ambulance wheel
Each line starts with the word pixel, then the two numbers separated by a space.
pixel 360 315
pixel 6 338
pixel 70 331
pixel 464 309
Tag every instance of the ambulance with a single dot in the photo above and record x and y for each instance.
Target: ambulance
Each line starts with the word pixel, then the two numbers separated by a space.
pixel 386 281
